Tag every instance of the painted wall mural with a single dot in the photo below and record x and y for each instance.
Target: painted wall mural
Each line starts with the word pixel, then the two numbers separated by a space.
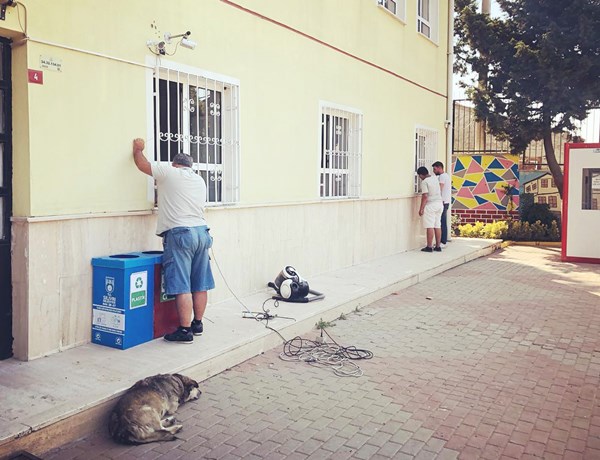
pixel 480 182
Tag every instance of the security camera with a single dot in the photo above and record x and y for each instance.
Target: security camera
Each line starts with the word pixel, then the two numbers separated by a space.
pixel 189 44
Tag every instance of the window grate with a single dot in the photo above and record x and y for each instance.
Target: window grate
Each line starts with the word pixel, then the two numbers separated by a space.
pixel 426 141
pixel 199 116
pixel 341 153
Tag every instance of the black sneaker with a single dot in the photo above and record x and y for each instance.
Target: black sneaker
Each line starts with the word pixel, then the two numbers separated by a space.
pixel 197 327
pixel 181 335
pixel 427 249
pixel 437 249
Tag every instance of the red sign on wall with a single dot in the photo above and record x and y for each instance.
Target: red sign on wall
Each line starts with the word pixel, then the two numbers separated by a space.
pixel 35 76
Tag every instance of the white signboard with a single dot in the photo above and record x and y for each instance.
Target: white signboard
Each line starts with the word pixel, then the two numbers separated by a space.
pixel 108 320
pixel 139 290
pixel 596 181
pixel 50 63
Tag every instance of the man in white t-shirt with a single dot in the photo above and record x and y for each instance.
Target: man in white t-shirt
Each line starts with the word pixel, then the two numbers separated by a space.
pixel 431 209
pixel 446 186
pixel 186 238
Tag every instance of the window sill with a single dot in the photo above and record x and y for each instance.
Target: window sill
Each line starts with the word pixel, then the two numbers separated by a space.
pixel 395 16
pixel 430 40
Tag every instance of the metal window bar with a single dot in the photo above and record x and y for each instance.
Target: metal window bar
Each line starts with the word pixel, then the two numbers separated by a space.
pixel 426 141
pixel 341 144
pixel 199 116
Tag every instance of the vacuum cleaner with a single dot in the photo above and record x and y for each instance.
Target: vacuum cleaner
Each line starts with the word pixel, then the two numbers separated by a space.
pixel 291 287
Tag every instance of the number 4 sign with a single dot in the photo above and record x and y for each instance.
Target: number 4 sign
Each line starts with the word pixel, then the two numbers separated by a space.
pixel 35 76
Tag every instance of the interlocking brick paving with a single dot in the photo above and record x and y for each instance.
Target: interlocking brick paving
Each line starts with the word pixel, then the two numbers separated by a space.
pixel 498 358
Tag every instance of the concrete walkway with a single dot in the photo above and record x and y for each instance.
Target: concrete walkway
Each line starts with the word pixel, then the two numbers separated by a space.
pixel 495 359
pixel 48 401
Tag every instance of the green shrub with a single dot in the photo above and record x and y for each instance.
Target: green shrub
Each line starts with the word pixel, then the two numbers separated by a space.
pixel 538 212
pixel 455 221
pixel 495 230
pixel 554 232
pixel 538 231
pixel 526 200
pixel 514 230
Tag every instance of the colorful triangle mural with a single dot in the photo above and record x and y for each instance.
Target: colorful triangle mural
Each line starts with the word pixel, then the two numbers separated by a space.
pixel 469 203
pixel 475 168
pixel 458 166
pixel 478 180
pixel 464 193
pixel 486 160
pixel 491 177
pixel 487 205
pixel 492 197
pixel 482 187
pixel 495 164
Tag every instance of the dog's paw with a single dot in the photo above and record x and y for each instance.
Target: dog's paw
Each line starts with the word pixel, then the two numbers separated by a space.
pixel 168 421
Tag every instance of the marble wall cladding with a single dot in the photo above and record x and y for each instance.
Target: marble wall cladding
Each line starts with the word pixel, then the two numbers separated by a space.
pixel 52 272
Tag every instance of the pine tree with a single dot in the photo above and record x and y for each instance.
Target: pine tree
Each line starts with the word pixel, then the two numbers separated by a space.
pixel 538 66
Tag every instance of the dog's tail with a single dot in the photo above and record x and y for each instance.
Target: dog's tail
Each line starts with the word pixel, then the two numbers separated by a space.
pixel 118 431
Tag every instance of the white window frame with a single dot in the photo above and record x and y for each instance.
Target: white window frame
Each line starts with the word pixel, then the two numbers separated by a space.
pixel 340 169
pixel 428 18
pixel 426 151
pixel 397 8
pixel 217 158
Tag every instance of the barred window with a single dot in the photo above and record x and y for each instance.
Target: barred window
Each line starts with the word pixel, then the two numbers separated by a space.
pixel 544 183
pixel 341 152
pixel 198 115
pixel 425 152
pixel 542 199
pixel 553 201
pixel 396 7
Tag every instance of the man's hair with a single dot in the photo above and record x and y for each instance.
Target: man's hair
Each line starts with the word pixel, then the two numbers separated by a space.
pixel 422 171
pixel 438 164
pixel 183 159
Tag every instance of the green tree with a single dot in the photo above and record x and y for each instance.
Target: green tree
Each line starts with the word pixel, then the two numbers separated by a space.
pixel 538 67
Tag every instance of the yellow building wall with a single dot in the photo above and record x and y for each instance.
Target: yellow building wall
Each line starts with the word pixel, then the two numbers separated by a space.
pixel 75 156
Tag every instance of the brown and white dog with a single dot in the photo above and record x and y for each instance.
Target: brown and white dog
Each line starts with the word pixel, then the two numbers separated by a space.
pixel 145 412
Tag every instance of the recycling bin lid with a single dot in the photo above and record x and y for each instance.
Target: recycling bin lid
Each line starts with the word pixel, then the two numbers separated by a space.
pixel 128 260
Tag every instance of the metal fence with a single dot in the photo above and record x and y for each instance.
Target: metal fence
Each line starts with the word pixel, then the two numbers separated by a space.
pixel 470 137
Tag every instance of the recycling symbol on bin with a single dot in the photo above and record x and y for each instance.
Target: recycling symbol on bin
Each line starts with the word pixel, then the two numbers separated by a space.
pixel 138 282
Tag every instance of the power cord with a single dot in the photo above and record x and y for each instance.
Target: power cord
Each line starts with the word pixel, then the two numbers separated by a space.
pixel 212 251
pixel 315 353
pixel 325 354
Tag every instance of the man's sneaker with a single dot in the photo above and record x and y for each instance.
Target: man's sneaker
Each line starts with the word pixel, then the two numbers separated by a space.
pixel 427 249
pixel 181 335
pixel 197 327
pixel 437 249
pixel 442 245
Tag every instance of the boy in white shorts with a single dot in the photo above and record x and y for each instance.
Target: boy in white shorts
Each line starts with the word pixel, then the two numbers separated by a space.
pixel 431 209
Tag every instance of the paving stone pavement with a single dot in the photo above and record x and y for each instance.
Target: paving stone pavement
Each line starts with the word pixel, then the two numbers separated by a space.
pixel 497 358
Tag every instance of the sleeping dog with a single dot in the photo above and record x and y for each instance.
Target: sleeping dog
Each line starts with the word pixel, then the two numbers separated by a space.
pixel 145 412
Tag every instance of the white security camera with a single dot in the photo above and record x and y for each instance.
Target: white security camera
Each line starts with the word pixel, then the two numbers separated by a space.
pixel 189 44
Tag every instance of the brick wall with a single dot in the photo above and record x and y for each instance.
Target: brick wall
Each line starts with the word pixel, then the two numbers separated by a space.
pixel 470 216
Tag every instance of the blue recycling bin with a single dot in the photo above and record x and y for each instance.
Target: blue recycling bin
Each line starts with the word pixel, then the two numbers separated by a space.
pixel 122 299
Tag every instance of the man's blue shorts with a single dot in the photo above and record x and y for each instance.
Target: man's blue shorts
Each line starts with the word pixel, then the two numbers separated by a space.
pixel 186 263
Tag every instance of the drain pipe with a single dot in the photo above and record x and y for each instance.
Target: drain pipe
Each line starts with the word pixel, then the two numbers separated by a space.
pixel 449 104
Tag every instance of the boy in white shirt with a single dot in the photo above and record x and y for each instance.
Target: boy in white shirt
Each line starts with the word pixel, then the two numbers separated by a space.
pixel 446 186
pixel 431 209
